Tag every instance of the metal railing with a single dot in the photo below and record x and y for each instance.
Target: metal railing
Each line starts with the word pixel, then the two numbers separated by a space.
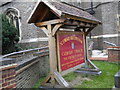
pixel 109 43
pixel 20 53
pixel 23 56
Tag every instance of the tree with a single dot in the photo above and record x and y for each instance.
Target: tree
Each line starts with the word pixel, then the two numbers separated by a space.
pixel 9 35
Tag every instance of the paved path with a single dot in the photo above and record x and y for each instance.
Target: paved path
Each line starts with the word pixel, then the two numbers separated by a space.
pixel 99 58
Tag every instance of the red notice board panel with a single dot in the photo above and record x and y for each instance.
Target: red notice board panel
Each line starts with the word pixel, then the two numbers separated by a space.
pixel 70 46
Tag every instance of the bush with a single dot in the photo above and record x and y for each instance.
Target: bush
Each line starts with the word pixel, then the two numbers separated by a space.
pixel 9 36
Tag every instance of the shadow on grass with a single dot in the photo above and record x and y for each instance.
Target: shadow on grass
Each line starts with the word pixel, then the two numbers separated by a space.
pixel 105 80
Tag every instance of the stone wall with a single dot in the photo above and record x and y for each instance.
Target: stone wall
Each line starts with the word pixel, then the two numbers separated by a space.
pixel 107 13
pixel 28 31
pixel 108 16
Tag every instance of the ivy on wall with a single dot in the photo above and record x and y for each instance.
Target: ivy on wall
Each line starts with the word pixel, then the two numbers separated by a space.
pixel 10 36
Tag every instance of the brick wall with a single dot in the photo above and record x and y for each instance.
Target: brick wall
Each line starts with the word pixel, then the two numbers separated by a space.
pixel 31 64
pixel 23 75
pixel 114 54
pixel 7 74
pixel 27 77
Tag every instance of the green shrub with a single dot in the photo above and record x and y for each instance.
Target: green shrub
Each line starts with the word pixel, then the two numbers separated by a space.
pixel 9 35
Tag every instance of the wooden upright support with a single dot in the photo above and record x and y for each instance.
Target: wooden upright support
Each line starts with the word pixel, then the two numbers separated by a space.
pixel 87 61
pixel 52 56
pixel 50 18
pixel 54 76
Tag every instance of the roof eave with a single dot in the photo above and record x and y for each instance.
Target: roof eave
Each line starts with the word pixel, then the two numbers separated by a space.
pixel 30 17
pixel 58 12
pixel 78 18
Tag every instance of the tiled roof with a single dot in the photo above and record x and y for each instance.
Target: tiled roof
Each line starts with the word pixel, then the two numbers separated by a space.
pixel 68 9
pixel 61 9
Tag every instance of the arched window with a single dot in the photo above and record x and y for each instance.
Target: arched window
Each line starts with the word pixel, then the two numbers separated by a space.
pixel 13 15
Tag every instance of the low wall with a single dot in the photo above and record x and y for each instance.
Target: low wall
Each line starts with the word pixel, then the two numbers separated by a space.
pixel 114 54
pixel 7 73
pixel 29 74
pixel 31 66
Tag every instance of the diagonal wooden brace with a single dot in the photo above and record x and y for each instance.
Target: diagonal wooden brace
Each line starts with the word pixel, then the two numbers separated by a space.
pixel 61 80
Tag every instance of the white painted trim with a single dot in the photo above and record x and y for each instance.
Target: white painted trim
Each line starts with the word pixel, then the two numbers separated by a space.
pixel 34 40
pixel 1 67
pixel 106 36
pixel 113 48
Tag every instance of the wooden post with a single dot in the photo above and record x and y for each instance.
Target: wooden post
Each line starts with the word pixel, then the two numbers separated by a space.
pixel 85 50
pixel 52 54
pixel 53 75
pixel 87 61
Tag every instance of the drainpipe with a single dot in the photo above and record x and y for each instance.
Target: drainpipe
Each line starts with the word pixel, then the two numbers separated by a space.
pixel 91 12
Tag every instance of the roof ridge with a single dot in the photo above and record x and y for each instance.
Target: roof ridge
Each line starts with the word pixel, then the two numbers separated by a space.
pixel 61 8
pixel 73 6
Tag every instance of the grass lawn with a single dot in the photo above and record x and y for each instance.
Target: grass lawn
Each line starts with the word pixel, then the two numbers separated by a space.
pixel 105 80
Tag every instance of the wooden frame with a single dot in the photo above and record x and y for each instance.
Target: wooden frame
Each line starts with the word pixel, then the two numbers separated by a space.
pixel 58 50
pixel 50 26
pixel 55 75
pixel 55 21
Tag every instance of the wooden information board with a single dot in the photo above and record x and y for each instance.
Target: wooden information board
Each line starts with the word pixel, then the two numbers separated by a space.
pixel 70 47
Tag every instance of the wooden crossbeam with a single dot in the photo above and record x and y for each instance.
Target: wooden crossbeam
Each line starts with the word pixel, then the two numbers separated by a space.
pixel 90 29
pixel 78 24
pixel 69 27
pixel 56 27
pixel 55 21
pixel 50 29
pixel 88 69
pixel 44 30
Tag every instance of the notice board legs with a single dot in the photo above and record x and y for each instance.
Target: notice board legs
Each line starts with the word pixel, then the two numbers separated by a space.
pixel 52 80
pixel 53 77
pixel 60 79
pixel 91 69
